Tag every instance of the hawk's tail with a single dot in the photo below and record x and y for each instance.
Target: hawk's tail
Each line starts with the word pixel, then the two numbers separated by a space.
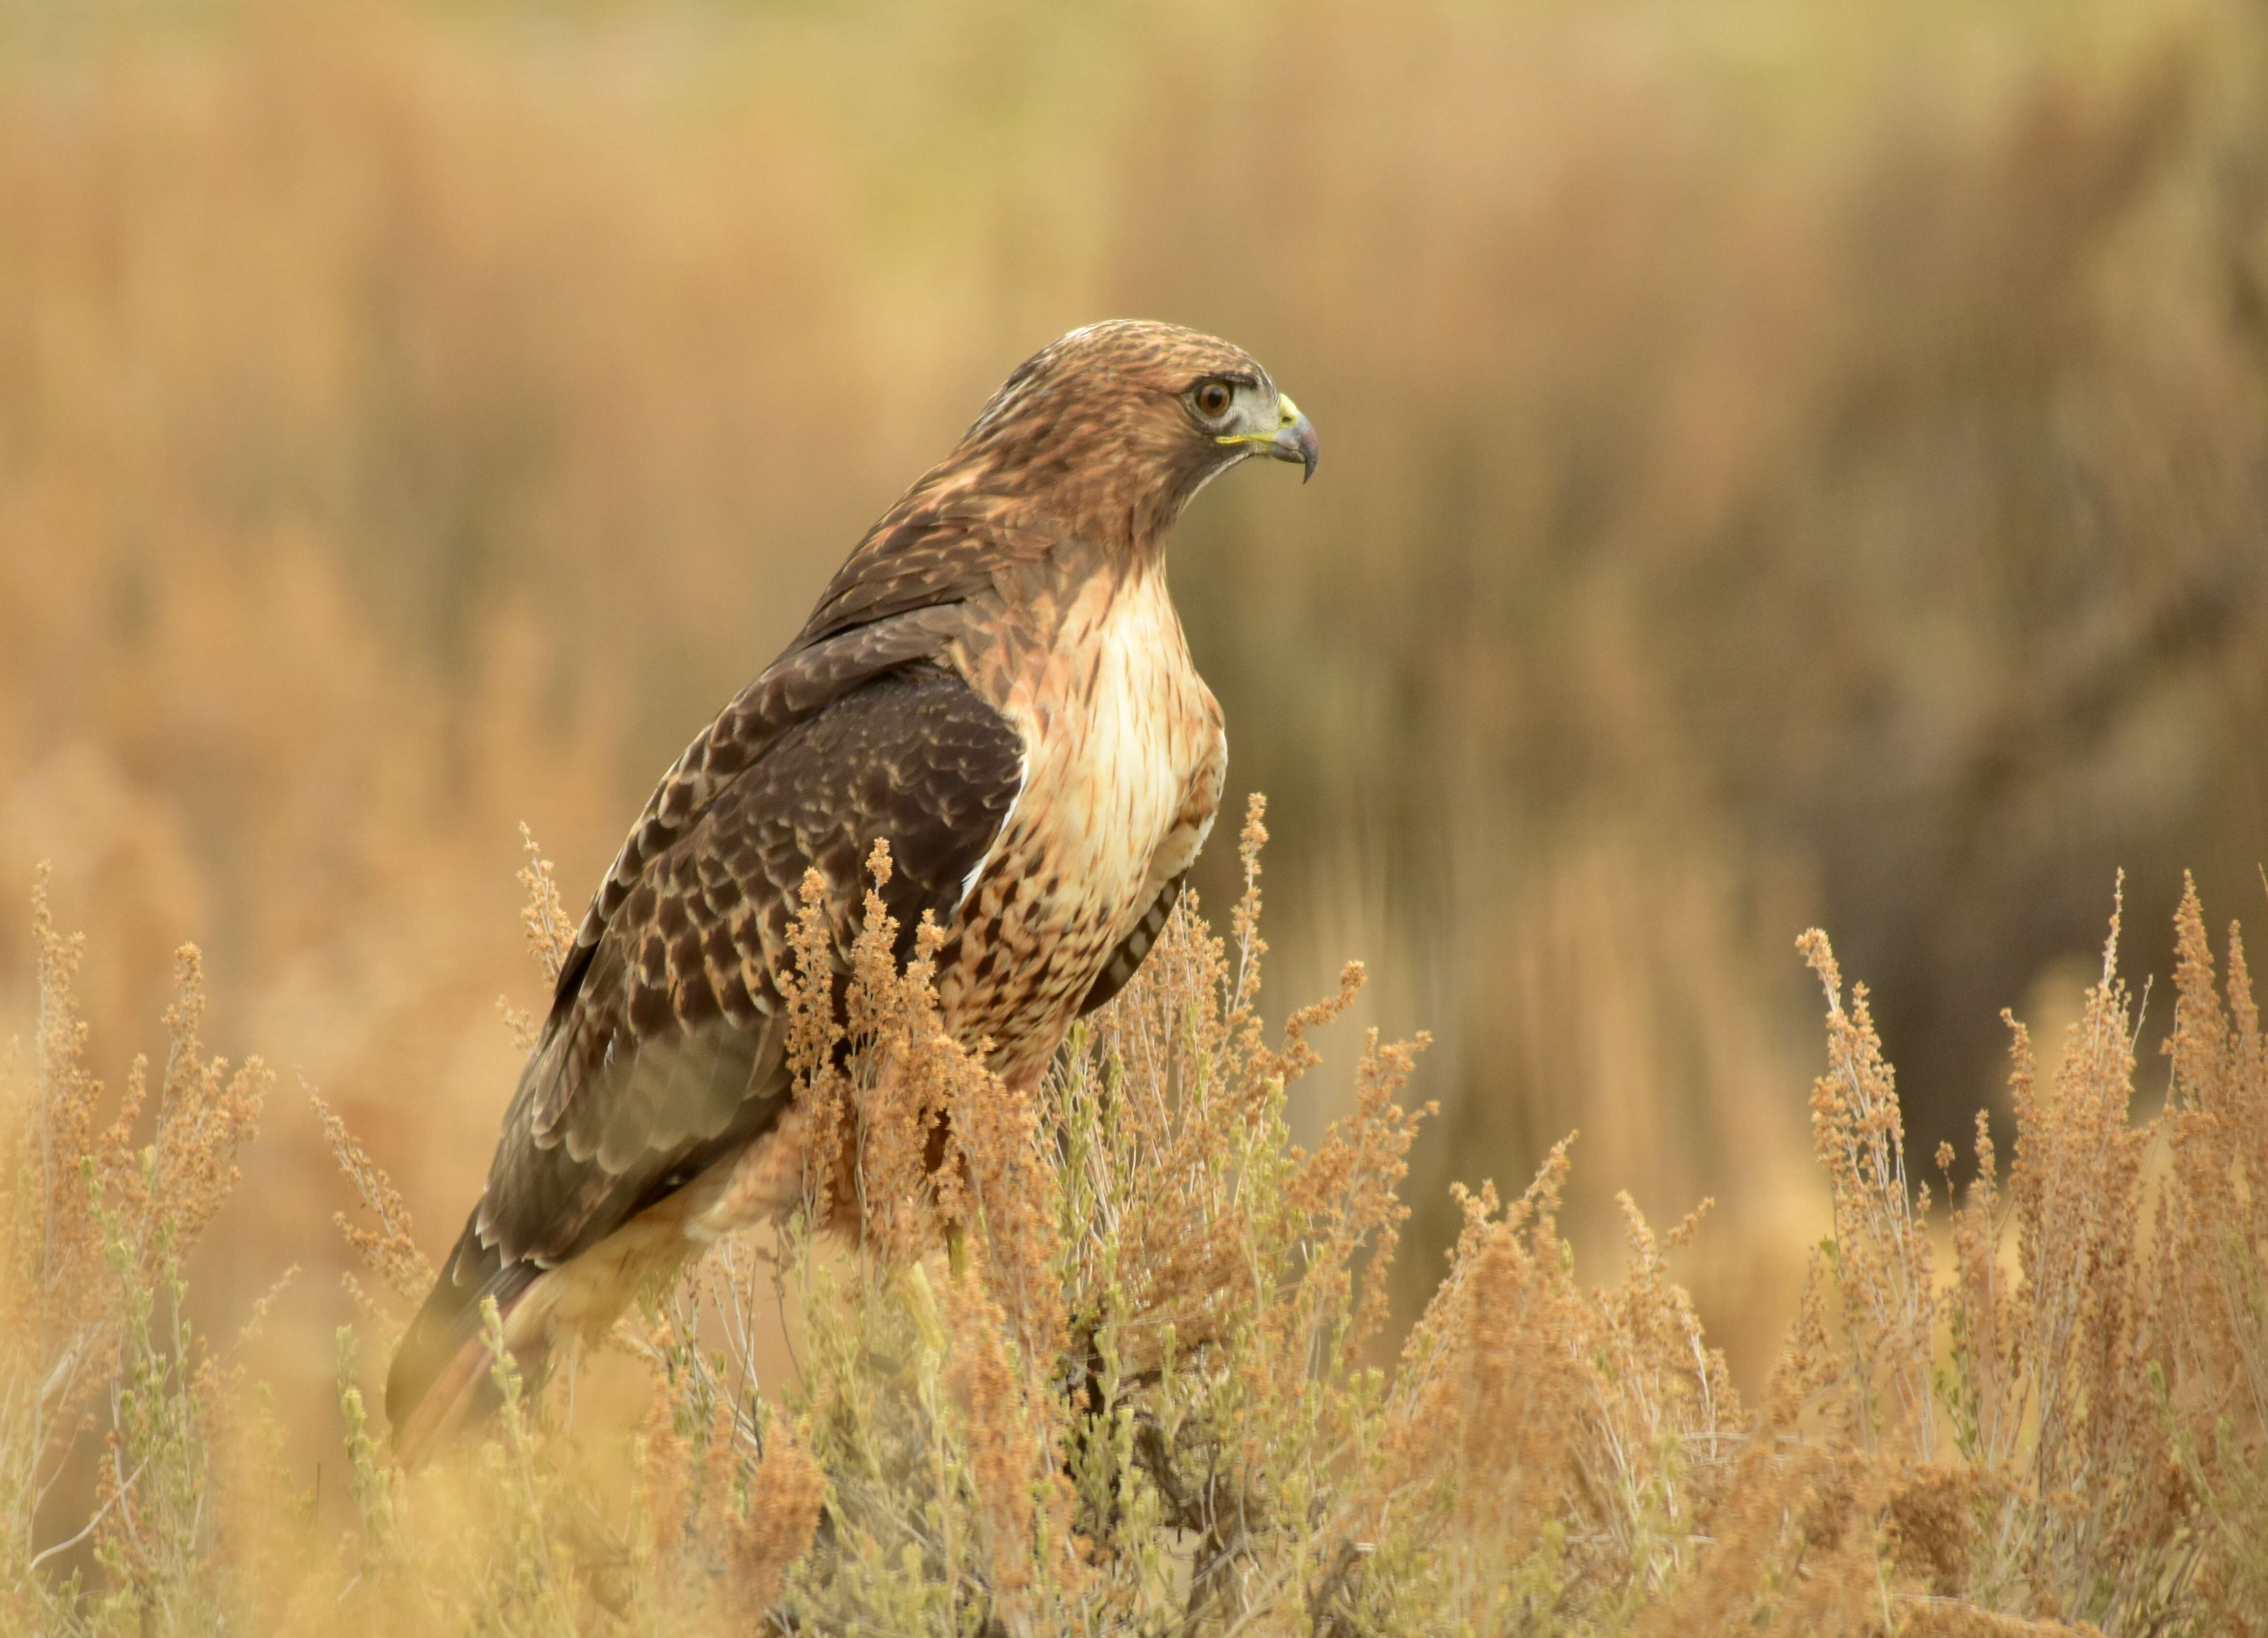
pixel 442 1376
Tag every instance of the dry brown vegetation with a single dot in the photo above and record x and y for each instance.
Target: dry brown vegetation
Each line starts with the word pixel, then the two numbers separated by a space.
pixel 1105 1370
pixel 1787 465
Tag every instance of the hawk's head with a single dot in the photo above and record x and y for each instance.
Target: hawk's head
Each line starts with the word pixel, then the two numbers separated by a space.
pixel 1128 419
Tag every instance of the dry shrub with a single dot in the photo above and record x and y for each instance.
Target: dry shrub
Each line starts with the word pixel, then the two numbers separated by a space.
pixel 95 1348
pixel 726 1514
pixel 2069 1429
pixel 1099 1357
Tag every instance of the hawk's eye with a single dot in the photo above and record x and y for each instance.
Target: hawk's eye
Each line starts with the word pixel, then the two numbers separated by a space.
pixel 1214 399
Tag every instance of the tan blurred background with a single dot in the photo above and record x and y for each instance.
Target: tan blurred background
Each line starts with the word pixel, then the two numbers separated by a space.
pixel 1784 464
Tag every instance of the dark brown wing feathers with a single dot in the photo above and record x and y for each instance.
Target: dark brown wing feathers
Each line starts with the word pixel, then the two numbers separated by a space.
pixel 800 683
pixel 662 1054
pixel 672 1043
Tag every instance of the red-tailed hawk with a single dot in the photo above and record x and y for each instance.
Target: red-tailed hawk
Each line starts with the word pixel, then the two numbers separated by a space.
pixel 996 683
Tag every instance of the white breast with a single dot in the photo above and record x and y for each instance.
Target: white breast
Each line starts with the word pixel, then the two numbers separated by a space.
pixel 1133 740
pixel 1121 770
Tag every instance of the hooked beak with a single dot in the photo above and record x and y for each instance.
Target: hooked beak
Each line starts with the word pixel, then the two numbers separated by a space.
pixel 1293 438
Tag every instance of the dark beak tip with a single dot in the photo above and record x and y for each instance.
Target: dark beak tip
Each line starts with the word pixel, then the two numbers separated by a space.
pixel 1307 449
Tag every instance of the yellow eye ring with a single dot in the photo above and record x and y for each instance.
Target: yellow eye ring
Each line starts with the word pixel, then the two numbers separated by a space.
pixel 1214 399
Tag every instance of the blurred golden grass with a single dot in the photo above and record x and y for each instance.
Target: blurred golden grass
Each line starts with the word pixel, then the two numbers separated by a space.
pixel 1783 466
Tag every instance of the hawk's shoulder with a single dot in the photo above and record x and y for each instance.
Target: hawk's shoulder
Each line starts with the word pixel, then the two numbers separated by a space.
pixel 925 557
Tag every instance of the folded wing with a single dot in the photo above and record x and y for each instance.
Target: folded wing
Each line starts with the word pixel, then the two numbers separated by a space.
pixel 663 1051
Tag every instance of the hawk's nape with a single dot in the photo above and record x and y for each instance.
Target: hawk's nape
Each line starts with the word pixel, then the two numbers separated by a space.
pixel 997 685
